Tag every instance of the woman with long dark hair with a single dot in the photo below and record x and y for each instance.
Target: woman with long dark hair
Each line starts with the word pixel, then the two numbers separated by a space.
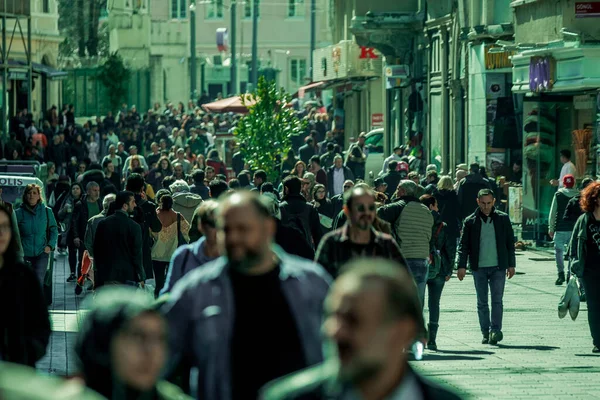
pixel 65 216
pixel 24 319
pixel 585 246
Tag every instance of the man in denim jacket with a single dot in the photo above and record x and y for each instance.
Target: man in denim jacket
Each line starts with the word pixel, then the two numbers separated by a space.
pixel 250 316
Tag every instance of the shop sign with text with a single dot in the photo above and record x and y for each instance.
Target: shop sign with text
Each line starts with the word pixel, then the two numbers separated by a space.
pixel 587 9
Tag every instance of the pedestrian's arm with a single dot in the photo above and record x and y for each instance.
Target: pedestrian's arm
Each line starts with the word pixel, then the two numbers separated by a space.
pixel 138 263
pixel 463 247
pixel 20 252
pixel 553 212
pixel 322 256
pixel 396 254
pixel 155 224
pixel 389 213
pixel 53 239
pixel 510 243
pixel 88 240
pixel 315 226
pixel 448 254
pixel 75 220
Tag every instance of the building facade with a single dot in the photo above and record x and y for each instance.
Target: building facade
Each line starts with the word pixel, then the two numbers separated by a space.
pixel 156 35
pixel 45 39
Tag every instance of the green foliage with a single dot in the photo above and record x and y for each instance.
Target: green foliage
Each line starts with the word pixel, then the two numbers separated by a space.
pixel 268 128
pixel 86 38
pixel 114 75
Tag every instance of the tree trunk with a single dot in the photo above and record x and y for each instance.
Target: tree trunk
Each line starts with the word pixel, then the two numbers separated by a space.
pixel 92 43
pixel 80 27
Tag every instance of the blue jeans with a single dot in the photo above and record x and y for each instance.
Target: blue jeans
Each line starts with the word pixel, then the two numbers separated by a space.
pixel 419 268
pixel 39 264
pixel 495 278
pixel 434 293
pixel 561 239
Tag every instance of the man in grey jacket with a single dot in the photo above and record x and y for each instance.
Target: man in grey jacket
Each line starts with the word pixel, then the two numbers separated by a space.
pixel 250 316
pixel 412 225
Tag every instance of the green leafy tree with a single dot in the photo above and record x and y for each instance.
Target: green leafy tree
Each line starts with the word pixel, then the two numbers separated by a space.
pixel 114 75
pixel 79 22
pixel 267 129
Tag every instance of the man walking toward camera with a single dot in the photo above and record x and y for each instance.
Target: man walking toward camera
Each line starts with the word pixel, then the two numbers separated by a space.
pixel 487 243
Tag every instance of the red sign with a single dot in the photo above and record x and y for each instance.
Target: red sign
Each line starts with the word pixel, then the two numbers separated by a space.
pixel 377 120
pixel 587 9
pixel 367 52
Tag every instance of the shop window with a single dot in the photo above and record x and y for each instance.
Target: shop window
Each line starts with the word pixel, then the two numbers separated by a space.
pixel 178 9
pixel 296 8
pixel 249 6
pixel 46 6
pixel 297 71
pixel 214 9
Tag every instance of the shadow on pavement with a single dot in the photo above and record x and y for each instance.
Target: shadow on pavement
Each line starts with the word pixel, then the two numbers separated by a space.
pixel 439 357
pixel 587 355
pixel 467 352
pixel 540 348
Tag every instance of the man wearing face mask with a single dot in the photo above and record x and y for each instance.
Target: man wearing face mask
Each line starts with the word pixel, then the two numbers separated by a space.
pixel 357 237
pixel 372 317
pixel 253 314
pixel 118 245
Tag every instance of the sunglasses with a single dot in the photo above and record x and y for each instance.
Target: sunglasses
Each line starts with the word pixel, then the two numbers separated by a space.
pixel 363 208
pixel 209 223
pixel 347 186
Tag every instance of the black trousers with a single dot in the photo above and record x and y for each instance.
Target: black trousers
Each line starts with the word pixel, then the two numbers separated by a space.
pixel 75 256
pixel 160 274
pixel 591 283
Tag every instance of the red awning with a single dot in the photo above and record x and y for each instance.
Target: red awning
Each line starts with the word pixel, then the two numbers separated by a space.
pixel 231 104
pixel 309 88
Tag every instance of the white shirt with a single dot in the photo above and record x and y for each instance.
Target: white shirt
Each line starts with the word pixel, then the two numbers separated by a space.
pixel 338 181
pixel 567 168
pixel 387 161
pixel 407 390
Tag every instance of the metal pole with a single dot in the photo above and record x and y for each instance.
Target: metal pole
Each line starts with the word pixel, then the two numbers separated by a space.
pixel 29 66
pixel 233 67
pixel 193 50
pixel 4 78
pixel 313 35
pixel 254 43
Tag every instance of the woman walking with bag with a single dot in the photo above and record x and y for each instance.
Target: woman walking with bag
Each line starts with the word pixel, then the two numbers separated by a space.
pixel 38 230
pixel 173 234
pixel 585 246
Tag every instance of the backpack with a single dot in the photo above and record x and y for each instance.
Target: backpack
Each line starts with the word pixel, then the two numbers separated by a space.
pixel 435 259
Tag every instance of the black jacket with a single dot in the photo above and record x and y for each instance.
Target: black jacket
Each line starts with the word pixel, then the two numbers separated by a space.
pixel 24 319
pixel 444 244
pixel 347 175
pixel 467 193
pixel 320 382
pixel 81 217
pixel 468 249
pixel 118 250
pixel 449 210
pixel 392 179
pixel 573 210
pixel 145 215
pixel 293 241
pixel 297 205
pixel 306 152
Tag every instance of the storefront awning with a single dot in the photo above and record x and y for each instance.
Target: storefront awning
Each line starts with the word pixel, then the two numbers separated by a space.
pixel 51 73
pixel 18 70
pixel 309 88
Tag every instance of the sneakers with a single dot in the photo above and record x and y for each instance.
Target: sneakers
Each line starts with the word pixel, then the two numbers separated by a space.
pixel 71 278
pixel 582 298
pixel 595 349
pixel 561 279
pixel 431 345
pixel 486 340
pixel 496 337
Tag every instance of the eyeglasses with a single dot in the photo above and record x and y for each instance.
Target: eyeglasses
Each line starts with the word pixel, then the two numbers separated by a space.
pixel 320 191
pixel 347 186
pixel 363 208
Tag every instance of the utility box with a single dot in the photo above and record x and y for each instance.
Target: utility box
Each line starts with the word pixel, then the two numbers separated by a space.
pixel 15 7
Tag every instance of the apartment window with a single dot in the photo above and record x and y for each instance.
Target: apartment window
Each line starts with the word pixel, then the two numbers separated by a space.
pixel 178 9
pixel 249 6
pixel 46 6
pixel 298 71
pixel 214 9
pixel 296 8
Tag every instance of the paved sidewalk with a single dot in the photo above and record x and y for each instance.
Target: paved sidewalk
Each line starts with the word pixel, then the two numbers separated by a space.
pixel 59 359
pixel 541 355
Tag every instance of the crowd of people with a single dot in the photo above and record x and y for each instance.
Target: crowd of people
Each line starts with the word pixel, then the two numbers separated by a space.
pixel 247 266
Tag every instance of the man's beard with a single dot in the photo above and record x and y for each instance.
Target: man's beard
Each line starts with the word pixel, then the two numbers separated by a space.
pixel 250 260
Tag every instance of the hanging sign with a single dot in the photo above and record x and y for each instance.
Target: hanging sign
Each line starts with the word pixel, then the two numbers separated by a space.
pixel 587 9
pixel 222 39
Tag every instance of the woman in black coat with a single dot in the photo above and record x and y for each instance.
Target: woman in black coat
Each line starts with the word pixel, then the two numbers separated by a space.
pixel 24 318
pixel 447 200
pixel 78 148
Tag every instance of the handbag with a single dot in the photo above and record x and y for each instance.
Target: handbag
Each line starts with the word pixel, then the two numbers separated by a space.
pixel 181 240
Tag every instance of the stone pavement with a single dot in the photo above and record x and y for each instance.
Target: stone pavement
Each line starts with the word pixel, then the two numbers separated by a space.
pixel 541 355
pixel 59 359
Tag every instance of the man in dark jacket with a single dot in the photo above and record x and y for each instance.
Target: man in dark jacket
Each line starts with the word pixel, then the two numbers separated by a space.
pixel 237 161
pixel 488 244
pixel 307 151
pixel 573 210
pixel 392 178
pixel 57 153
pixel 118 246
pixel 89 206
pixel 297 212
pixel 357 238
pixel 468 189
pixel 372 314
pixel 145 215
pixel 337 175
pixel 199 187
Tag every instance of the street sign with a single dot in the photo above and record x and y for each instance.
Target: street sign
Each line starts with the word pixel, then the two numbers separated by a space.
pixel 376 120
pixel 367 52
pixel 587 9
pixel 222 39
pixel 397 71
